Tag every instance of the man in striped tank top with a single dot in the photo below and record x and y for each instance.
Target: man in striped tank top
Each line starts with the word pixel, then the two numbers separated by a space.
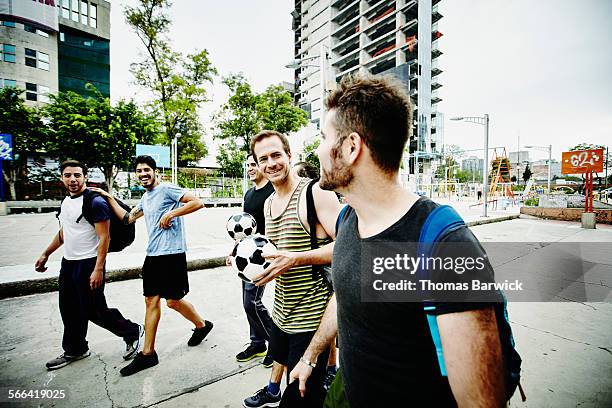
pixel 300 295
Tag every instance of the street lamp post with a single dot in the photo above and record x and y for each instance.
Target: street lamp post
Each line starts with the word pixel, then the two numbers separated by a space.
pixel 482 120
pixel 545 148
pixel 174 164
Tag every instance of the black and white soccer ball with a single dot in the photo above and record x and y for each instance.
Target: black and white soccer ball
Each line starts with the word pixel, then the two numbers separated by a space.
pixel 247 256
pixel 241 225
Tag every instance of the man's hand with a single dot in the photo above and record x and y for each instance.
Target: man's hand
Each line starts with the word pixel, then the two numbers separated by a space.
pixel 281 262
pixel 300 372
pixel 166 220
pixel 96 278
pixel 101 192
pixel 228 260
pixel 40 263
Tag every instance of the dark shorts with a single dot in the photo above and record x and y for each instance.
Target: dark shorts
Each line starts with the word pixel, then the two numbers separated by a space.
pixel 165 276
pixel 287 348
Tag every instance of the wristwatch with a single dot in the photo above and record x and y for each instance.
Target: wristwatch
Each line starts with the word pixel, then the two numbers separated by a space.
pixel 308 363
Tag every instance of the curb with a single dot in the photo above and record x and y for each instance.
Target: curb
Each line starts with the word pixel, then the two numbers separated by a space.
pixel 492 220
pixel 33 286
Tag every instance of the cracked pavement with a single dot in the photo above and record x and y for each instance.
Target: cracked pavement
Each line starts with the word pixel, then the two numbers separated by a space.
pixel 565 346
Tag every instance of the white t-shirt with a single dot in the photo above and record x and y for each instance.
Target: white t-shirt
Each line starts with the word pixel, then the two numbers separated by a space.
pixel 80 239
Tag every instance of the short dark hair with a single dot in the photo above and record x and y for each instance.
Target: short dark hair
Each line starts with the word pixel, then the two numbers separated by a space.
pixel 145 159
pixel 307 170
pixel 73 163
pixel 269 133
pixel 378 109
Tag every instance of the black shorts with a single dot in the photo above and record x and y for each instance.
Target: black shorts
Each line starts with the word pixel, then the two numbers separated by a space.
pixel 287 348
pixel 165 276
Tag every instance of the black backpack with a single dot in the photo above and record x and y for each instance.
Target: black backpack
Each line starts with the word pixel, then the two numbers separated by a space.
pixel 121 235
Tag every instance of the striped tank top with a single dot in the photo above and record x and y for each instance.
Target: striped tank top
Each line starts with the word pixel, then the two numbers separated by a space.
pixel 299 297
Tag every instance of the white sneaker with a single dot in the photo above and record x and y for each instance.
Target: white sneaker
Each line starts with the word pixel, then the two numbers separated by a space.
pixel 131 349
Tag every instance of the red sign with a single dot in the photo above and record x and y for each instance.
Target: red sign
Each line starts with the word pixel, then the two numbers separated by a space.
pixel 582 161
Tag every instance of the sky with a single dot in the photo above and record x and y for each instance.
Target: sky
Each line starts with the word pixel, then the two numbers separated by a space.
pixel 540 69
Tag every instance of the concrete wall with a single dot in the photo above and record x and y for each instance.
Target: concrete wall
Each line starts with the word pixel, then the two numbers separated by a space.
pixel 566 214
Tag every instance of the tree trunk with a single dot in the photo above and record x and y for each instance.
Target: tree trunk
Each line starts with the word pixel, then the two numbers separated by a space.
pixel 109 177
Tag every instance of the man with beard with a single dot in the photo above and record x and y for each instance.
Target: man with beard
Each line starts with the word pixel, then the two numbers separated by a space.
pixel 260 323
pixel 164 273
pixel 386 348
pixel 81 279
pixel 301 294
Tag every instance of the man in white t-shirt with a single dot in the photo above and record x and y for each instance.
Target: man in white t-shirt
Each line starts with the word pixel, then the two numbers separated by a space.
pixel 81 279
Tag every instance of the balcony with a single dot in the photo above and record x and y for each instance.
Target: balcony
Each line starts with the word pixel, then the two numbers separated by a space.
pixel 435 85
pixel 346 14
pixel 347 61
pixel 340 4
pixel 347 45
pixel 348 29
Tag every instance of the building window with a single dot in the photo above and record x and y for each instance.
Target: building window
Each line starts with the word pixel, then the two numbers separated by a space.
pixel 93 15
pixel 8 24
pixel 66 8
pixel 30 58
pixel 8 53
pixel 75 10
pixel 6 83
pixel 84 12
pixel 31 90
pixel 31 29
pixel 43 93
pixel 43 61
pixel 62 37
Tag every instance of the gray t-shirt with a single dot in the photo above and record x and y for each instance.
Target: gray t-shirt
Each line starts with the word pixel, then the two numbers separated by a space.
pixel 155 203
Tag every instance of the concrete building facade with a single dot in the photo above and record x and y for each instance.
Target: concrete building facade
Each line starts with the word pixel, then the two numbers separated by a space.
pixel 54 45
pixel 473 164
pixel 334 38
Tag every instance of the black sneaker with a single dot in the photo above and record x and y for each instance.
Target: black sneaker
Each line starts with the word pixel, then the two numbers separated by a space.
pixel 139 363
pixel 262 398
pixel 267 361
pixel 329 378
pixel 199 334
pixel 64 360
pixel 251 352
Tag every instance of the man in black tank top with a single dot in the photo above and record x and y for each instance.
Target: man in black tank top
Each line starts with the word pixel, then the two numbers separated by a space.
pixel 260 323
pixel 387 355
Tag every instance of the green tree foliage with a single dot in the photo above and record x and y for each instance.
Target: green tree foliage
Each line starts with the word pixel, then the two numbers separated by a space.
pixel 98 134
pixel 310 156
pixel 231 159
pixel 246 113
pixel 527 173
pixel 177 81
pixel 28 131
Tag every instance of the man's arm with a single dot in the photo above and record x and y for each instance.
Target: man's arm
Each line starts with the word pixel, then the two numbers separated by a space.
pixel 192 204
pixel 56 242
pixel 325 334
pixel 103 231
pixel 328 208
pixel 282 261
pixel 127 217
pixel 473 358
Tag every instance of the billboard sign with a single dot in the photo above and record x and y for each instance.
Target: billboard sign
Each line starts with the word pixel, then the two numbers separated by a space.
pixel 161 154
pixel 582 161
pixel 6 146
pixel 39 13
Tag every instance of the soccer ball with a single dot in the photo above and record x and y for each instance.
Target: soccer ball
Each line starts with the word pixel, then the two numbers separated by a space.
pixel 240 226
pixel 247 256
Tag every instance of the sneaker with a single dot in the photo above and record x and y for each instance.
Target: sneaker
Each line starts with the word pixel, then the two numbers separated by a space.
pixel 267 361
pixel 139 363
pixel 64 360
pixel 199 334
pixel 133 347
pixel 262 398
pixel 251 352
pixel 329 378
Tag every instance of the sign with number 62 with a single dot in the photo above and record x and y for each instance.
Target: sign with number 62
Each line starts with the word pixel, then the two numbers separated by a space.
pixel 582 161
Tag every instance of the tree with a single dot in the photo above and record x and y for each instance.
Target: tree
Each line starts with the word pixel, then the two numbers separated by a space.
pixel 527 173
pixel 177 82
pixel 94 132
pixel 28 131
pixel 246 113
pixel 231 159
pixel 310 156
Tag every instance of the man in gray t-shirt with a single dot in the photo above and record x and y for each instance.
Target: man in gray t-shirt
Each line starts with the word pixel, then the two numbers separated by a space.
pixel 164 273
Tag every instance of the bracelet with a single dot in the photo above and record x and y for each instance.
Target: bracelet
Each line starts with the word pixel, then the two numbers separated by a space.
pixel 308 363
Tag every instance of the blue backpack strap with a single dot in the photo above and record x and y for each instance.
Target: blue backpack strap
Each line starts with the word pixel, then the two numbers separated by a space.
pixel 341 215
pixel 441 220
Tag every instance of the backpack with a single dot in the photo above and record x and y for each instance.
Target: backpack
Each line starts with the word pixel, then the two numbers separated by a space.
pixel 441 221
pixel 121 235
